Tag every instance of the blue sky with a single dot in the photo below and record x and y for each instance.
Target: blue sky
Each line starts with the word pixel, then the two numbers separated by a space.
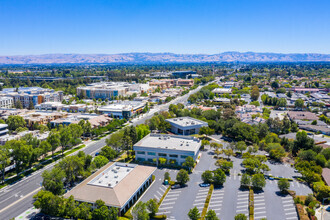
pixel 190 26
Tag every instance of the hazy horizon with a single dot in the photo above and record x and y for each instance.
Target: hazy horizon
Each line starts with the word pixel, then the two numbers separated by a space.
pixel 176 26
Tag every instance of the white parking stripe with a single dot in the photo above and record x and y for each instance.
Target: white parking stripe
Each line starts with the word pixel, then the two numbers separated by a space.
pixel 287 204
pixel 198 203
pixel 262 212
pixel 286 201
pixel 215 205
pixel 168 203
pixel 289 209
pixel 170 207
pixel 292 218
pixel 242 202
pixel 241 210
pixel 291 213
pixel 260 208
pixel 240 206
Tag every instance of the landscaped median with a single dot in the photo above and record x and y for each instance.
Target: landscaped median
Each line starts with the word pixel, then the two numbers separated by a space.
pixel 207 201
pixel 251 204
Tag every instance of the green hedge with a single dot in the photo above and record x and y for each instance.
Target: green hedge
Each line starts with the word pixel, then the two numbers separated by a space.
pixel 165 193
pixel 207 201
pixel 251 204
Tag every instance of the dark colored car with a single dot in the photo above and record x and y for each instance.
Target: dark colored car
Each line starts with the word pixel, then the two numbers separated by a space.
pixel 204 184
pixel 176 186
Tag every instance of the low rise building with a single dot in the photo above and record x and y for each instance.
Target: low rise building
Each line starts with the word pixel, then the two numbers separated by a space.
pixel 6 102
pixel 95 120
pixel 221 91
pixel 18 136
pixel 119 185
pixel 34 95
pixel 174 148
pixel 301 115
pixel 124 109
pixel 186 125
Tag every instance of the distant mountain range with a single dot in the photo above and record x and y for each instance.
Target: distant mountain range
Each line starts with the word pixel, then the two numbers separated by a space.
pixel 163 57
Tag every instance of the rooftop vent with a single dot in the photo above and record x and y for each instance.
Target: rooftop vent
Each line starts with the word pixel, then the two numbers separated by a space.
pixel 109 184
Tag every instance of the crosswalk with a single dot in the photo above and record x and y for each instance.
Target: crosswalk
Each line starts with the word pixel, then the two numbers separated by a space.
pixel 289 208
pixel 199 201
pixel 169 202
pixel 242 204
pixel 259 206
pixel 216 201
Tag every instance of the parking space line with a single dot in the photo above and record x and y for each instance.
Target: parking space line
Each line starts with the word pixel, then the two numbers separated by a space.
pixel 156 197
pixel 168 203
pixel 291 213
pixel 241 210
pixel 289 204
pixel 260 217
pixel 260 212
pixel 239 199
pixel 169 199
pixel 241 206
pixel 199 203
pixel 172 195
pixel 170 207
pixel 289 209
pixel 243 202
pixel 159 193
pixel 260 208
pixel 292 218
pixel 196 200
pixel 215 205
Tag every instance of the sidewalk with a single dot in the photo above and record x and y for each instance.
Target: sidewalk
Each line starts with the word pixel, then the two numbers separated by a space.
pixel 28 214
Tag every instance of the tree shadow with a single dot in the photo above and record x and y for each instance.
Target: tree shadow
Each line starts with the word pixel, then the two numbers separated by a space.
pixel 281 194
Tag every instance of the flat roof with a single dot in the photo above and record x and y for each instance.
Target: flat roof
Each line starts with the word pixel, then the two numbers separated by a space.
pixel 112 176
pixel 171 142
pixel 186 121
pixel 120 193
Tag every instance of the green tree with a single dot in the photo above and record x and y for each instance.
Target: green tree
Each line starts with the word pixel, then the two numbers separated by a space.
pixel 4 160
pixel 152 207
pixel 15 121
pixel 21 153
pixel 115 140
pixel 245 180
pixel 53 180
pixel 241 146
pixel 283 185
pixel 255 93
pixel 108 152
pixel 211 215
pixel 240 217
pixel 139 212
pixel 258 181
pixel 54 140
pixel 45 147
pixel 73 166
pixel 102 212
pixel 85 211
pixel 219 177
pixel 302 141
pixel 18 104
pixel 167 176
pixel 100 161
pixel 182 177
pixel 48 203
pixel 194 214
pixel 299 103
pixel 224 165
pixel 31 105
pixel 207 176
pixel 189 163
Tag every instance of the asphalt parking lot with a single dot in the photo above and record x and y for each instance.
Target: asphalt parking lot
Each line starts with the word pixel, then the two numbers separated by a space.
pixel 228 200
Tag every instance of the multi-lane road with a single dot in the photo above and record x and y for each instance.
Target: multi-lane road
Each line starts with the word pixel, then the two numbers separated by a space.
pixel 17 198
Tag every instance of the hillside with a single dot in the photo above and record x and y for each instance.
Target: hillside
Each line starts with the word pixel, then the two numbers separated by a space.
pixel 162 57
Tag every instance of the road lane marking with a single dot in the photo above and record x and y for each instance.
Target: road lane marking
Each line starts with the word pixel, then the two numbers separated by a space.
pixel 14 203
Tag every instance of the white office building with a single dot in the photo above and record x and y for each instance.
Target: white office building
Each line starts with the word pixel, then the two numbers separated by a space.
pixel 186 125
pixel 175 149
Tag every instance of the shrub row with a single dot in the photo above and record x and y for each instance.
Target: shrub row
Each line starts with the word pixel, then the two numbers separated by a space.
pixel 251 204
pixel 207 201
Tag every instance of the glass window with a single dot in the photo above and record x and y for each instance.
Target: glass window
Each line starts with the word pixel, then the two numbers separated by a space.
pixel 152 153
pixel 141 152
pixel 162 155
pixel 174 155
pixel 184 156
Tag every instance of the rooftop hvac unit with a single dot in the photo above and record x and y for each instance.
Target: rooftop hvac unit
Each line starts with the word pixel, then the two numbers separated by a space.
pixel 116 181
pixel 116 176
pixel 106 176
pixel 127 170
pixel 100 181
pixel 109 184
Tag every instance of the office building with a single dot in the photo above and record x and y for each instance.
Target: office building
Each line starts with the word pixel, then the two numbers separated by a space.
pixel 174 148
pixel 186 125
pixel 119 185
pixel 124 109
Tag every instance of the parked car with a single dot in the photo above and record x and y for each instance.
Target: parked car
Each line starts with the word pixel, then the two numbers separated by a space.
pixel 176 186
pixel 97 153
pixel 204 184
pixel 296 171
